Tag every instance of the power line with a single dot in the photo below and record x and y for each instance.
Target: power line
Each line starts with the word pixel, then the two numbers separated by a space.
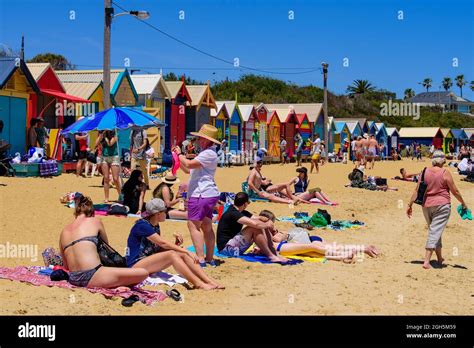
pixel 310 70
pixel 180 68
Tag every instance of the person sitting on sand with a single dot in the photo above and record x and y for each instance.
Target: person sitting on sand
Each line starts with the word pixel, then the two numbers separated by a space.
pixel 164 191
pixel 259 187
pixel 330 251
pixel 148 250
pixel 233 240
pixel 407 177
pixel 78 245
pixel 133 192
pixel 301 183
pixel 360 180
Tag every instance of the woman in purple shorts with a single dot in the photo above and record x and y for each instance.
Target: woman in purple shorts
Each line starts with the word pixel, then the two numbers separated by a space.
pixel 203 194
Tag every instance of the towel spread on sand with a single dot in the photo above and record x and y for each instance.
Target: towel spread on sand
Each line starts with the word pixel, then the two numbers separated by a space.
pixel 163 278
pixel 336 225
pixel 30 275
pixel 248 257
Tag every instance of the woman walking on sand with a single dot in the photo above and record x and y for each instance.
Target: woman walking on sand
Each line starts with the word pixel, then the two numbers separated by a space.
pixel 202 194
pixel 437 204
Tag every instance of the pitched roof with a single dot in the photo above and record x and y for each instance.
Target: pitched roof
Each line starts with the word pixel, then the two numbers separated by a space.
pixel 37 69
pixel 459 133
pixel 444 97
pixel 391 130
pixel 220 107
pixel 362 121
pixel 81 89
pixel 313 110
pixel 340 125
pixel 69 76
pixel 271 114
pixel 352 125
pixel 8 67
pixel 418 132
pixel 282 113
pixel 174 87
pixel 199 95
pixel 146 84
pixel 445 131
pixel 469 132
pixel 246 111
pixel 230 106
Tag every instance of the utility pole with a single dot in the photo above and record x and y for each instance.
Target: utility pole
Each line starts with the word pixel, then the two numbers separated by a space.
pixel 108 12
pixel 325 103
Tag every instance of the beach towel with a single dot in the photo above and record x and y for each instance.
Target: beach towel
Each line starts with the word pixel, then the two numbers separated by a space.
pixel 335 225
pixel 464 214
pixel 48 168
pixel 163 278
pixel 248 256
pixel 30 275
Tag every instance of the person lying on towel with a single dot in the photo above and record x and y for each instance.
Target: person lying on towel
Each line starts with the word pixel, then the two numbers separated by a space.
pixel 233 239
pixel 315 247
pixel 407 177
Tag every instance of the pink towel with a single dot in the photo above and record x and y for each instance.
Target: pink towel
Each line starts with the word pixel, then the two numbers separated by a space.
pixel 176 163
pixel 30 275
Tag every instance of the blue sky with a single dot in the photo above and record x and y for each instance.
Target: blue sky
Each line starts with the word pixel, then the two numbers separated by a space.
pixel 391 53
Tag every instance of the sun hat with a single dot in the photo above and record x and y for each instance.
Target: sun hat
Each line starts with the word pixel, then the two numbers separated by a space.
pixel 207 132
pixel 170 179
pixel 156 205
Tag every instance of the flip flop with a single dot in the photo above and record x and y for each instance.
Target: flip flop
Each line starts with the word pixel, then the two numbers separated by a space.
pixel 212 263
pixel 128 302
pixel 174 294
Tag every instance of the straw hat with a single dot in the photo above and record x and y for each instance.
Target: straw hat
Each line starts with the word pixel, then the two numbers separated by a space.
pixel 170 179
pixel 207 132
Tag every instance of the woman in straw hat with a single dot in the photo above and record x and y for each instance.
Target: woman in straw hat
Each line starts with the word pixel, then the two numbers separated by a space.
pixel 164 191
pixel 203 194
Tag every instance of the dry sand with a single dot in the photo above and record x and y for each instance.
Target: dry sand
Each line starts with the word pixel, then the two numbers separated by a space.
pixel 395 283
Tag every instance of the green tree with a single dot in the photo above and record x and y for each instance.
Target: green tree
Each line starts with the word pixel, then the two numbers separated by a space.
pixel 57 61
pixel 460 82
pixel 409 93
pixel 359 87
pixel 427 83
pixel 472 86
pixel 447 83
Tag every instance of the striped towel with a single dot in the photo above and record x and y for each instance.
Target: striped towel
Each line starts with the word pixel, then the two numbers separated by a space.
pixel 48 168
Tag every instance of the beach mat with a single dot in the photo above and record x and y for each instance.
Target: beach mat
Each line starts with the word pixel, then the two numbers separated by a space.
pixel 159 278
pixel 30 275
pixel 250 257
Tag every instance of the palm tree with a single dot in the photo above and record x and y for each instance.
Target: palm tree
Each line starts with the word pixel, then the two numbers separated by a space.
pixel 460 82
pixel 427 83
pixel 447 83
pixel 360 87
pixel 472 86
pixel 409 93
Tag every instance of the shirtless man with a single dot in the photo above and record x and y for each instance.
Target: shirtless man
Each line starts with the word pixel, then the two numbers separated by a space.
pixel 260 187
pixel 359 152
pixel 372 151
pixel 365 148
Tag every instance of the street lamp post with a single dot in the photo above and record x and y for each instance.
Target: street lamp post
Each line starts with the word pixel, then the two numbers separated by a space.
pixel 109 15
pixel 325 103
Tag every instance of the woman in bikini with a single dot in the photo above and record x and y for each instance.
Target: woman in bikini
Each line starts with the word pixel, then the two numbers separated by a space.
pixel 78 245
pixel 330 251
pixel 301 183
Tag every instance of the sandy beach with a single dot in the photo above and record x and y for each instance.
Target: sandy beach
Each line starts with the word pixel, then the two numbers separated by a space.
pixel 393 284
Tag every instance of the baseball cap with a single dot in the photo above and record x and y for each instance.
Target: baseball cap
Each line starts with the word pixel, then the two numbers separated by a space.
pixel 156 205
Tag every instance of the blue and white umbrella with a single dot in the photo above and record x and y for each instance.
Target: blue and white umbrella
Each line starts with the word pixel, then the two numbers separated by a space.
pixel 114 119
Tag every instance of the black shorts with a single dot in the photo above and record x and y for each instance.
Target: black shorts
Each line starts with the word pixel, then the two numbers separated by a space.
pixel 82 155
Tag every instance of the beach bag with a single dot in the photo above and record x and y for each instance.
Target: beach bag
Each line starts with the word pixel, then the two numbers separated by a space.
pixel 51 257
pixel 318 220
pixel 422 187
pixel 118 209
pixel 92 157
pixel 298 235
pixel 380 181
pixel 326 215
pixel 109 257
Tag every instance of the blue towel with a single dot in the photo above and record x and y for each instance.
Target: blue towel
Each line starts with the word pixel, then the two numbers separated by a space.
pixel 216 252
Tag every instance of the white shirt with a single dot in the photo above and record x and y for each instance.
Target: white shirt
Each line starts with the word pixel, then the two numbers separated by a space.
pixel 201 181
pixel 317 146
pixel 353 145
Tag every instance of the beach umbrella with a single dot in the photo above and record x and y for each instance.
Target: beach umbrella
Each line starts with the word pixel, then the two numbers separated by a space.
pixel 114 119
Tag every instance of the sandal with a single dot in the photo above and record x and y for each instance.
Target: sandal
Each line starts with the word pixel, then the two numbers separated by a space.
pixel 174 294
pixel 128 302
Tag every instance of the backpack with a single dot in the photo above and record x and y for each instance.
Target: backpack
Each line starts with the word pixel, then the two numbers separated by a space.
pixel 318 220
